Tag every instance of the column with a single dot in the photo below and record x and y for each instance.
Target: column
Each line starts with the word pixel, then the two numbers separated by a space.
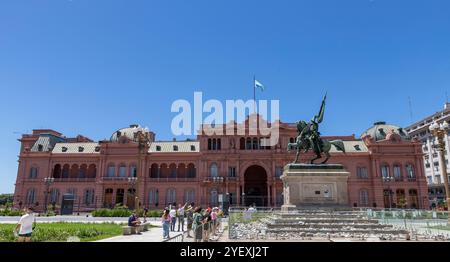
pixel 431 160
pixel 238 197
pixel 269 204
pixel 274 194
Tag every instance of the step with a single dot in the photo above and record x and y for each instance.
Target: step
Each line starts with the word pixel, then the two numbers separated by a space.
pixel 327 230
pixel 320 220
pixel 335 226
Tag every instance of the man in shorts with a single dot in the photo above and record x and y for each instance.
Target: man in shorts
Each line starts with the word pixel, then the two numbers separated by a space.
pixel 25 226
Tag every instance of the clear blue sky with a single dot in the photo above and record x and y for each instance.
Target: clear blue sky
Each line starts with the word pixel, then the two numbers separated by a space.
pixel 90 67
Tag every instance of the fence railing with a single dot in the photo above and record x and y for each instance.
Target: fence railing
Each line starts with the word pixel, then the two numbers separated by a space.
pixel 209 231
pixel 177 238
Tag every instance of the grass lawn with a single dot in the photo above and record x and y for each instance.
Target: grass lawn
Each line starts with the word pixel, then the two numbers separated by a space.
pixel 441 227
pixel 61 232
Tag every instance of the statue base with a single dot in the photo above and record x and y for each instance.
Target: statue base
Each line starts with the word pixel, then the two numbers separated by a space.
pixel 314 185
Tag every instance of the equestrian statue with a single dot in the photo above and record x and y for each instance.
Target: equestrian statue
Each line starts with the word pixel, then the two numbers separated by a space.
pixel 309 138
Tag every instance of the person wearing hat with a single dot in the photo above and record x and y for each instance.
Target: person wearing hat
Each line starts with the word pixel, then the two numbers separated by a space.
pixel 25 226
pixel 190 218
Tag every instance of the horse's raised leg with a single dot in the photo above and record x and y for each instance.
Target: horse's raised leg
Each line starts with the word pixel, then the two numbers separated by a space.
pixel 327 154
pixel 317 157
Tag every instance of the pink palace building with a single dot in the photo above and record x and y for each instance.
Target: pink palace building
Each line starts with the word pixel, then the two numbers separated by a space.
pixel 385 164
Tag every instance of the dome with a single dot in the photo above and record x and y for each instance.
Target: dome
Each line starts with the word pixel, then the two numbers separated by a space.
pixel 380 130
pixel 129 132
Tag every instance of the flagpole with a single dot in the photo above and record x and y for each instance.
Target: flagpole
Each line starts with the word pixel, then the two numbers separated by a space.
pixel 254 94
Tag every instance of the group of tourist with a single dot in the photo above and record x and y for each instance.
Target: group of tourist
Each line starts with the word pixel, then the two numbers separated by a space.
pixel 202 224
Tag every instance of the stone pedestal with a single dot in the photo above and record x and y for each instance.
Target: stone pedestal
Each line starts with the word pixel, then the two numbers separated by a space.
pixel 306 185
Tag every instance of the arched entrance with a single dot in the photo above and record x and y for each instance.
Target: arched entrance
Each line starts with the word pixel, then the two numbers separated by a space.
pixel 255 190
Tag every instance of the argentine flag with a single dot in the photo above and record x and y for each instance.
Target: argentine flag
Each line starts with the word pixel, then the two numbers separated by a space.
pixel 259 85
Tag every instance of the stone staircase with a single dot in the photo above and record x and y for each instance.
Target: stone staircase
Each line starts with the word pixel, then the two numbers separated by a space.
pixel 325 223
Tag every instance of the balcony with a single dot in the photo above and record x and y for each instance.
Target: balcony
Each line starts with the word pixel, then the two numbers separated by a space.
pixel 173 179
pixel 232 179
pixel 398 179
pixel 218 179
pixel 115 178
pixel 412 179
pixel 75 179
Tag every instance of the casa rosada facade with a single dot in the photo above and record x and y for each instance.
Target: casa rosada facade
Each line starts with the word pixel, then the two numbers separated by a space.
pixel 385 165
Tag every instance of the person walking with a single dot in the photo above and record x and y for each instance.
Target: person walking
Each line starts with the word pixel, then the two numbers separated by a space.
pixel 165 219
pixel 180 216
pixel 25 226
pixel 173 217
pixel 197 224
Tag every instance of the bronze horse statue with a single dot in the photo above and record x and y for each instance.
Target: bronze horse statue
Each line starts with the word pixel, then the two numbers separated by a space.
pixel 309 138
pixel 325 147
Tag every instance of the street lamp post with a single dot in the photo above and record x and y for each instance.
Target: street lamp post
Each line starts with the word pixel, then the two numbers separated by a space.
pixel 48 181
pixel 439 131
pixel 387 180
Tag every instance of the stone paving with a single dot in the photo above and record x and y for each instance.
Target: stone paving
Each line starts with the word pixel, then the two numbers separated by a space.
pixel 155 234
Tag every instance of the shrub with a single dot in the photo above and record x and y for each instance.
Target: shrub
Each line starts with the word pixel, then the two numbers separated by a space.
pixel 10 212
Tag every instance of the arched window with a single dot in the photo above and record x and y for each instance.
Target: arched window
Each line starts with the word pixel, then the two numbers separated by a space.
pixel 214 144
pixel 111 172
pixel 255 143
pixel 31 196
pixel 385 171
pixel 401 198
pixel 397 172
pixel 122 170
pixel 291 140
pixel 171 196
pixel 248 144
pixel 83 171
pixel 413 199
pixel 33 172
pixel 214 197
pixel 57 171
pixel 410 171
pixel 209 144
pixel 66 171
pixel 242 143
pixel 214 170
pixel 108 197
pixel 219 144
pixel 88 198
pixel 363 198
pixel 154 171
pixel 173 170
pixel 189 195
pixel 153 197
pixel 120 196
pixel 54 196
pixel 133 170
pixel 361 172
pixel 191 171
